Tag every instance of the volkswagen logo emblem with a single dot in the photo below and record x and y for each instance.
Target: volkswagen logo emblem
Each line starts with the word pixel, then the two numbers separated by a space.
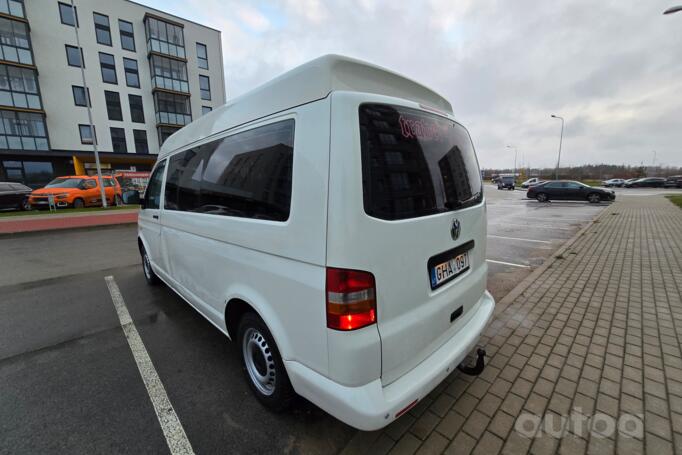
pixel 455 229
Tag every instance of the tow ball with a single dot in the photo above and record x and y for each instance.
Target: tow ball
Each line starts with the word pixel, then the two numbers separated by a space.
pixel 478 367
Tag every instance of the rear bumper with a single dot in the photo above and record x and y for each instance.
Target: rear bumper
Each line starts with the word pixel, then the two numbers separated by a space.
pixel 372 406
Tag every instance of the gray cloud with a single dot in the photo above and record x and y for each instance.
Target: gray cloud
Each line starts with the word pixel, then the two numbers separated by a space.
pixel 611 68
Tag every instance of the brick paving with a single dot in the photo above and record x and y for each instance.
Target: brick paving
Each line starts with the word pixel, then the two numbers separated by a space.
pixel 31 223
pixel 596 334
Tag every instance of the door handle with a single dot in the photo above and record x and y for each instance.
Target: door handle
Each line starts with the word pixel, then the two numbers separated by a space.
pixel 156 217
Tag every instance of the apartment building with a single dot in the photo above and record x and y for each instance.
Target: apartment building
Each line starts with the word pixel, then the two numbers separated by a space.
pixel 148 74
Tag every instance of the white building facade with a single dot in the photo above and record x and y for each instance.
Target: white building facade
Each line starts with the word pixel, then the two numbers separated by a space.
pixel 148 74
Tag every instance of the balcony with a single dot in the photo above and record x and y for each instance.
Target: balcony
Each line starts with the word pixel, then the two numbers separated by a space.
pixel 173 119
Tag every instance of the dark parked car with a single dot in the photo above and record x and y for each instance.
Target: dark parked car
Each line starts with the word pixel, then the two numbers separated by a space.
pixel 14 196
pixel 674 181
pixel 506 181
pixel 646 182
pixel 567 190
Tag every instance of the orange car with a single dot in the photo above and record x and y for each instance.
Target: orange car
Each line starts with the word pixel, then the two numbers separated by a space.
pixel 77 191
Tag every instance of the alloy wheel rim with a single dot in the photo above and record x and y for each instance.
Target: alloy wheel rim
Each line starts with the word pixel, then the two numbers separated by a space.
pixel 259 362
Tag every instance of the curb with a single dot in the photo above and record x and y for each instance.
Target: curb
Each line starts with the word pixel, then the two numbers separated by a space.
pixel 66 228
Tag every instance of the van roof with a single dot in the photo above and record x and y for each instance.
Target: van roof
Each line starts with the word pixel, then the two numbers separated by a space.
pixel 309 82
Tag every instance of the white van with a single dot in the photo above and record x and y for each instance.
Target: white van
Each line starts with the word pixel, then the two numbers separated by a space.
pixel 331 222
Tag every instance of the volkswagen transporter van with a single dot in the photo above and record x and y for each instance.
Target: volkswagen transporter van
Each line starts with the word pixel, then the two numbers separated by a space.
pixel 332 223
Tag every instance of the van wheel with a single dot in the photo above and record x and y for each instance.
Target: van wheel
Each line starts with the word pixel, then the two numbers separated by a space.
pixel 594 198
pixel 542 197
pixel 149 274
pixel 78 204
pixel 263 365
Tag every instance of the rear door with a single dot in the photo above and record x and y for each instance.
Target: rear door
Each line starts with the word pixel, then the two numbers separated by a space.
pixel 406 205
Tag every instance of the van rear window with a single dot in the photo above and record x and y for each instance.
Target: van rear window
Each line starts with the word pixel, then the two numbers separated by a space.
pixel 415 163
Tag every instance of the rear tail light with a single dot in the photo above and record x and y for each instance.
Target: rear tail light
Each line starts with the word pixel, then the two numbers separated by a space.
pixel 351 299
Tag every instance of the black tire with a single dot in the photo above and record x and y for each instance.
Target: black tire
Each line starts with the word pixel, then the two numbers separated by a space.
pixel 78 203
pixel 542 197
pixel 260 359
pixel 147 270
pixel 24 205
pixel 594 198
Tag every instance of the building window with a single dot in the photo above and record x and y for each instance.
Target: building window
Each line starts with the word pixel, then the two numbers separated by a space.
pixel 141 145
pixel 19 87
pixel 73 57
pixel 202 56
pixel 14 38
pixel 12 7
pixel 127 35
pixel 68 15
pixel 136 109
pixel 22 131
pixel 87 134
pixel 172 109
pixel 118 140
pixel 206 109
pixel 35 174
pixel 165 132
pixel 79 96
pixel 102 29
pixel 205 86
pixel 164 37
pixel 113 101
pixel 131 72
pixel 169 74
pixel 108 66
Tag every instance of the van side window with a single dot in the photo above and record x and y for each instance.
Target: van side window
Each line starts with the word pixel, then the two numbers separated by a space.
pixel 245 175
pixel 152 195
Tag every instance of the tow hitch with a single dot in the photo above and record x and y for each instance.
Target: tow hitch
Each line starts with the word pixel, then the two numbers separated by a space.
pixel 476 369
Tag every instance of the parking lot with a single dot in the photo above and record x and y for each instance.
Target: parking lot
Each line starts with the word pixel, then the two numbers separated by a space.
pixel 71 384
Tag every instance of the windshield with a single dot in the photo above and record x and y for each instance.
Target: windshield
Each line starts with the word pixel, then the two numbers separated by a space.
pixel 415 163
pixel 60 182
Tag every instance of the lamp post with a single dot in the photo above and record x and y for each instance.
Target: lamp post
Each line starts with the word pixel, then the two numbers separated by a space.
pixel 87 104
pixel 515 152
pixel 561 139
pixel 673 9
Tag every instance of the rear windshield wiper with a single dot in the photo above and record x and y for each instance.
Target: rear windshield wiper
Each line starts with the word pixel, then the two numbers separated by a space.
pixel 460 204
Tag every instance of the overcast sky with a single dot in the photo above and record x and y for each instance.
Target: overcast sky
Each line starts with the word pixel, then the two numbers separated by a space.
pixel 611 68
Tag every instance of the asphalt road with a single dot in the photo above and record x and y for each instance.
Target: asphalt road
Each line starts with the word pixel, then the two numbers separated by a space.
pixel 69 382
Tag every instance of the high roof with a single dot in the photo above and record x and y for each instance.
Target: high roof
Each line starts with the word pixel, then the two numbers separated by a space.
pixel 309 82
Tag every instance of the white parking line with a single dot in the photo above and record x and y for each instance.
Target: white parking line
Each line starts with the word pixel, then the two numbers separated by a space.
pixel 170 424
pixel 508 263
pixel 516 238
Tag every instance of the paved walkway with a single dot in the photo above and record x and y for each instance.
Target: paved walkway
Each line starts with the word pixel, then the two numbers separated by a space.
pixel 31 223
pixel 587 359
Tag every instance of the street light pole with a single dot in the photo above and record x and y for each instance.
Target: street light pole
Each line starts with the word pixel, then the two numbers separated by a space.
pixel 87 105
pixel 561 139
pixel 515 152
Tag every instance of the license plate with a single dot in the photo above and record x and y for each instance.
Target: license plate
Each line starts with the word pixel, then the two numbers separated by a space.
pixel 440 273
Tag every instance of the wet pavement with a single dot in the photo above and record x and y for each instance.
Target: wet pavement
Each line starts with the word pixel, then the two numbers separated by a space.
pixel 69 381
